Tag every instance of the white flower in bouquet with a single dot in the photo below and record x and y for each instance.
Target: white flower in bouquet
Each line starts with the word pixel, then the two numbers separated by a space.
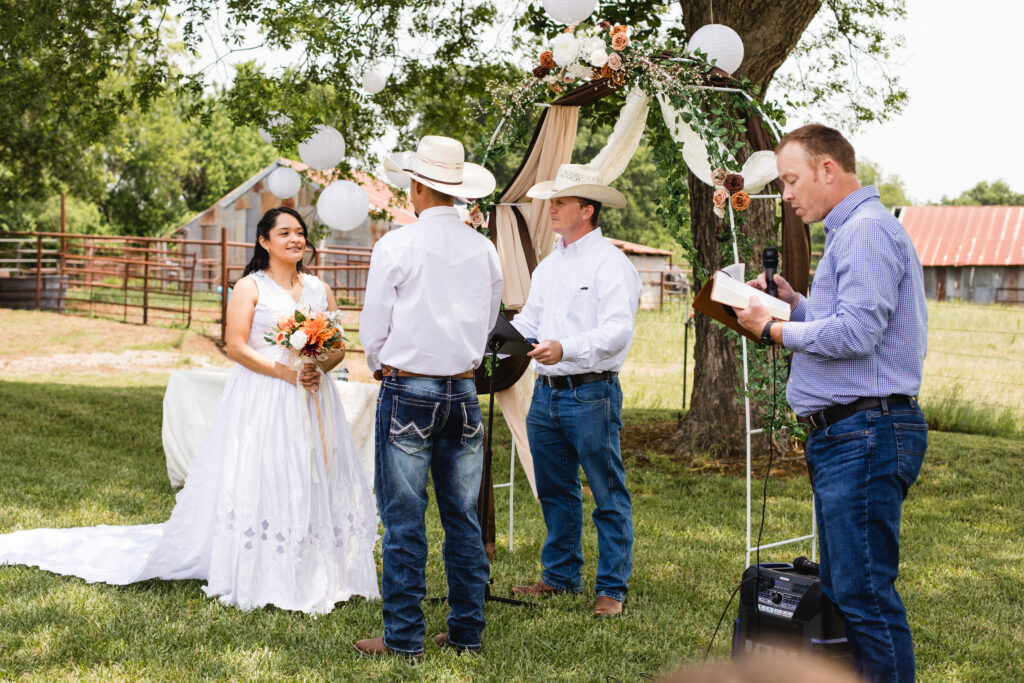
pixel 597 52
pixel 566 49
pixel 579 71
pixel 298 340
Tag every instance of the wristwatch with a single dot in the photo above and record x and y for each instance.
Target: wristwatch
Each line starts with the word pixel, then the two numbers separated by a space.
pixel 766 333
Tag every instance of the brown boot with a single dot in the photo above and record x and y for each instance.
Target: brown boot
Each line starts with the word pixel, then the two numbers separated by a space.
pixel 441 640
pixel 375 647
pixel 537 590
pixel 607 607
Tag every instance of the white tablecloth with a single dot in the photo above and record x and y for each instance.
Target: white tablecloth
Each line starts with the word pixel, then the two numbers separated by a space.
pixel 190 405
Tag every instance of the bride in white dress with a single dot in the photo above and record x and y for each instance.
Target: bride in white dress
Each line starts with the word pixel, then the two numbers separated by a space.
pixel 264 517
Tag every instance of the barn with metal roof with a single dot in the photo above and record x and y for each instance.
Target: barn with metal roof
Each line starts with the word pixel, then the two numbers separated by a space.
pixel 972 253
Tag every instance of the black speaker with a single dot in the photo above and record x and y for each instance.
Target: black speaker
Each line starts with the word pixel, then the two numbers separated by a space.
pixel 783 611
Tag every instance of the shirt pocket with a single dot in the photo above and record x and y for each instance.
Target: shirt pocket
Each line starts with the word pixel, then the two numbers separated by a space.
pixel 583 307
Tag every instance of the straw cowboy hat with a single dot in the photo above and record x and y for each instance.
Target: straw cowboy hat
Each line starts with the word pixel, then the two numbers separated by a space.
pixel 440 164
pixel 577 180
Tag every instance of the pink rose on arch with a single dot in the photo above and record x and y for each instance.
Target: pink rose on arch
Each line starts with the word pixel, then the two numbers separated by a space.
pixel 718 177
pixel 614 61
pixel 721 197
pixel 476 216
pixel 620 41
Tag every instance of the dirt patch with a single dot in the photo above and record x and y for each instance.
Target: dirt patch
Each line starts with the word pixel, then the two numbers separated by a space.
pixel 105 361
pixel 640 440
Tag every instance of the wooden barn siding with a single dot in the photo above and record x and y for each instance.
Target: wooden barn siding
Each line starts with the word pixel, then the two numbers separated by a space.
pixel 977 284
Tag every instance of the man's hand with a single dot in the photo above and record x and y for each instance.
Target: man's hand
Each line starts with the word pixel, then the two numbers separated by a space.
pixel 786 292
pixel 755 316
pixel 547 352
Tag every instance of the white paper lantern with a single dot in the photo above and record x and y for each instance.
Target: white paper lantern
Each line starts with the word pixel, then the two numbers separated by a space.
pixel 568 11
pixel 342 205
pixel 721 44
pixel 400 180
pixel 284 182
pixel 374 81
pixel 275 119
pixel 323 149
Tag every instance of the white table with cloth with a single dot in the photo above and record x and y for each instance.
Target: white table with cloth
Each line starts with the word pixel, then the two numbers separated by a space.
pixel 190 404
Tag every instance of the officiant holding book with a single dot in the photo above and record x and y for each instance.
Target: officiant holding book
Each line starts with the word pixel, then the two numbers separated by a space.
pixel 859 346
pixel 582 303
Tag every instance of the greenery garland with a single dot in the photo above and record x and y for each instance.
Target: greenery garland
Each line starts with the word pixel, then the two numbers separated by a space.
pixel 718 117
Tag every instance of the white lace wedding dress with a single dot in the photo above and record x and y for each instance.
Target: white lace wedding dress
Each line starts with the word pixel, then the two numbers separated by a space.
pixel 261 517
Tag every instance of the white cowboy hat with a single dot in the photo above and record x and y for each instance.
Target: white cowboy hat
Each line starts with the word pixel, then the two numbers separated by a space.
pixel 440 164
pixel 577 180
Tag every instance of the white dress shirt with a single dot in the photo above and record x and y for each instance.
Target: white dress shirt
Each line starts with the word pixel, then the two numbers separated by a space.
pixel 432 295
pixel 585 297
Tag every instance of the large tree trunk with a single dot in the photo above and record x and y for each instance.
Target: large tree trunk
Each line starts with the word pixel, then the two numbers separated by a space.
pixel 715 423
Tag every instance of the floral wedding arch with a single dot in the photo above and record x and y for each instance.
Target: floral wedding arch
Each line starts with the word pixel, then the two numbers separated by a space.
pixel 704 120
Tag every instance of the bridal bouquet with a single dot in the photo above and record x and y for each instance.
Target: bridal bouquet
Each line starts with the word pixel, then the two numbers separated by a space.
pixel 311 334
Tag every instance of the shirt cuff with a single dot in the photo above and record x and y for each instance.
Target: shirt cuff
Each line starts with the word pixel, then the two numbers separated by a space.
pixel 799 312
pixel 570 348
pixel 793 335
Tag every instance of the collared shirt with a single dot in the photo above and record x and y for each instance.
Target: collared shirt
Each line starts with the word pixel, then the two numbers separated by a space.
pixel 585 297
pixel 432 295
pixel 863 332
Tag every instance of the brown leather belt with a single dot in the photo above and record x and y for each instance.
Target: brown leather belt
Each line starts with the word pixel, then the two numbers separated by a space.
pixel 387 370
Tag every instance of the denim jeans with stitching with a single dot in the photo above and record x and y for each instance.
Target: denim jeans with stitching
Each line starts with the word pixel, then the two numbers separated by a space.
pixel 429 427
pixel 569 429
pixel 861 469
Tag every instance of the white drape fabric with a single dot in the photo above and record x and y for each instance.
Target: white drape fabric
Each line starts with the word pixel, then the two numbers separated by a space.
pixel 613 158
pixel 258 518
pixel 758 170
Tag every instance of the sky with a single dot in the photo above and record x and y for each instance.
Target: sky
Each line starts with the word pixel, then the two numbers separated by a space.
pixel 959 65
pixel 963 122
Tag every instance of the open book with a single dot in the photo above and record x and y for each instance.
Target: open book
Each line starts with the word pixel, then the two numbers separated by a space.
pixel 729 288
pixel 726 291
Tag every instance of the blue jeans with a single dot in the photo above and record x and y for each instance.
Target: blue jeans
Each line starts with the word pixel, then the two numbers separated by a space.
pixel 429 426
pixel 861 468
pixel 569 429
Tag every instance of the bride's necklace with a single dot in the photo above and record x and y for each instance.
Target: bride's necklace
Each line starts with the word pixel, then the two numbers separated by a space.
pixel 292 281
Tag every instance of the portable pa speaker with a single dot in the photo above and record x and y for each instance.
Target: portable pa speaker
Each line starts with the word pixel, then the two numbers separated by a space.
pixel 782 612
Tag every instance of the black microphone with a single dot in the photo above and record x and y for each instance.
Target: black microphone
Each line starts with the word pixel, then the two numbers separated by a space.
pixel 770 261
pixel 804 566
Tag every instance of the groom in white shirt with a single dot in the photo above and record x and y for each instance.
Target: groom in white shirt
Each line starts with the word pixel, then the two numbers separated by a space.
pixel 583 299
pixel 432 294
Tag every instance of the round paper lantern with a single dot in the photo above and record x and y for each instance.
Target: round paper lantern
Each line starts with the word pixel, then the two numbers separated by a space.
pixel 342 205
pixel 374 81
pixel 284 182
pixel 568 11
pixel 275 119
pixel 400 180
pixel 323 149
pixel 720 43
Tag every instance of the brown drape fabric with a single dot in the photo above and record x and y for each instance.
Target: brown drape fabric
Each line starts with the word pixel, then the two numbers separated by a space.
pixel 518 249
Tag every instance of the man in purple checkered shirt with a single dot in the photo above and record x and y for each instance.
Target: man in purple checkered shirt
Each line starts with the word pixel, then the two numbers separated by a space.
pixel 859 344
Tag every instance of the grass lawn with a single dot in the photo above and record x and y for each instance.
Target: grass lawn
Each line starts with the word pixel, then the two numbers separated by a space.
pixel 74 452
pixel 81 446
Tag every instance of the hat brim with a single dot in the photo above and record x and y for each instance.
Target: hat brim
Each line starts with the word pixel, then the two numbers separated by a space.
pixel 477 181
pixel 607 196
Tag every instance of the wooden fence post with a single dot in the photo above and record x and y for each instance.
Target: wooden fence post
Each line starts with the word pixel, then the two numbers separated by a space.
pixel 39 271
pixel 223 282
pixel 145 289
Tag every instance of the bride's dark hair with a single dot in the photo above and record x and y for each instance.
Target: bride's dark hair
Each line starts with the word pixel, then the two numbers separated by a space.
pixel 260 257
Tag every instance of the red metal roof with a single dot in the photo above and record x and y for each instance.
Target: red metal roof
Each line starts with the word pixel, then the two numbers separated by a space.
pixel 634 248
pixel 966 235
pixel 380 194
